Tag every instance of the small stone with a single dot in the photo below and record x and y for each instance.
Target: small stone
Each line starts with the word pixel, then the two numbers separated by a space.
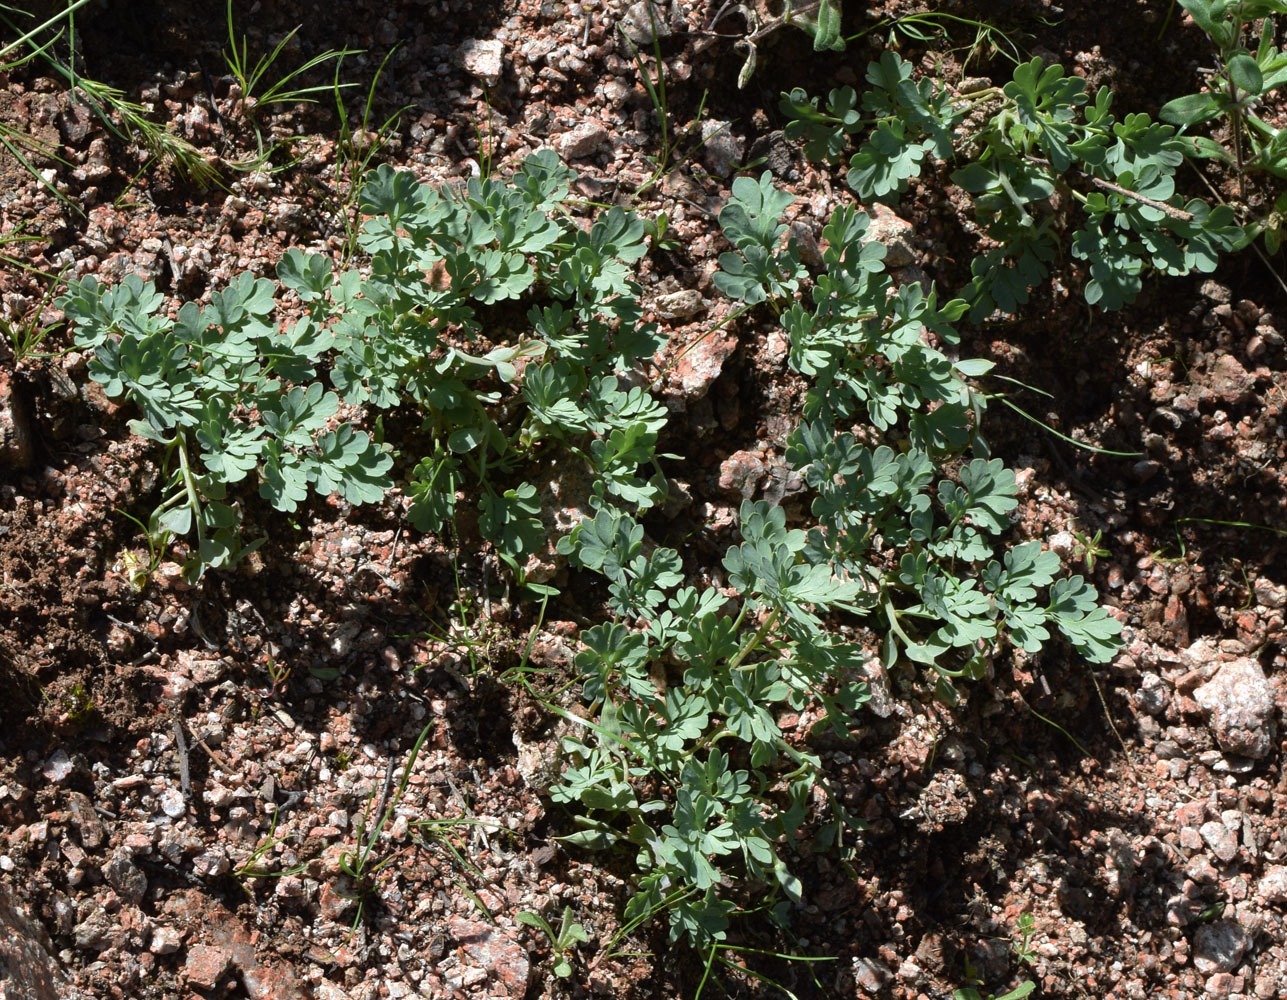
pixel 1219 946
pixel 1153 694
pixel 490 949
pixel 684 304
pixel 483 58
pixel 1230 381
pixel 741 473
pixel 1268 594
pixel 122 875
pixel 1273 885
pixel 172 803
pixel 643 22
pixel 723 151
pixel 95 932
pixel 1215 291
pixel 205 966
pixel 211 863
pixel 894 232
pixel 1220 839
pixel 165 940
pixel 870 975
pixel 583 140
pixel 702 364
pixel 1063 544
pixel 57 767
pixel 1239 703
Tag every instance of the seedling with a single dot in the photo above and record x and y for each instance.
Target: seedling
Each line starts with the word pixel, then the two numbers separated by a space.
pixel 357 147
pixel 1027 928
pixel 1091 551
pixel 562 942
pixel 1020 991
pixel 666 159
pixel 285 89
pixel 138 572
pixel 254 867
pixel 27 332
pixel 361 865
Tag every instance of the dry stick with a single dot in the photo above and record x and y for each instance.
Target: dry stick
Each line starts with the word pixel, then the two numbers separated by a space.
pixel 1143 199
pixel 1130 760
pixel 180 745
pixel 1161 206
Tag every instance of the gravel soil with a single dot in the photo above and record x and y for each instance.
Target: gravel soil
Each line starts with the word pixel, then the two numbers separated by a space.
pixel 183 769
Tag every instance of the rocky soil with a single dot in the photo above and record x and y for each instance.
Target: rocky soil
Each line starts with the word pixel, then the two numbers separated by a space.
pixel 182 770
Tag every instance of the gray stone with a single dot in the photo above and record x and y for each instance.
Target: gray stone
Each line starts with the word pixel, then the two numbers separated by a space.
pixel 483 59
pixel 1221 840
pixel 1239 703
pixel 1219 947
pixel 583 140
pixel 57 767
pixel 893 231
pixel 741 473
pixel 1273 885
pixel 683 304
pixel 95 932
pixel 165 940
pixel 644 22
pixel 1215 291
pixel 29 970
pixel 1153 694
pixel 723 151
pixel 122 875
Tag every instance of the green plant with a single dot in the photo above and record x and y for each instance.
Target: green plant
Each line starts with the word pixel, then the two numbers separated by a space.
pixel 1026 925
pixel 1241 80
pixel 1020 991
pixel 126 119
pixel 221 383
pixel 284 89
pixel 361 865
pixel 254 867
pixel 233 394
pixel 1035 147
pixel 562 941
pixel 696 777
pixel 27 332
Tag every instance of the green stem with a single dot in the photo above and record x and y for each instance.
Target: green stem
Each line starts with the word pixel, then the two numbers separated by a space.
pixel 190 486
pixel 755 640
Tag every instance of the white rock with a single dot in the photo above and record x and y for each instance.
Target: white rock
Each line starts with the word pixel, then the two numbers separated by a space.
pixel 57 767
pixel 1223 843
pixel 1219 947
pixel 583 140
pixel 172 803
pixel 483 58
pixel 893 231
pixel 1273 885
pixel 165 940
pixel 722 150
pixel 1239 703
